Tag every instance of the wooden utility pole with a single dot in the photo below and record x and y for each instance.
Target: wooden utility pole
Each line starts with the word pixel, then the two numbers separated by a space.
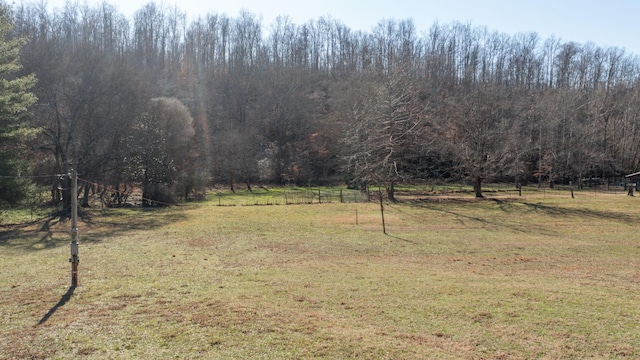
pixel 74 228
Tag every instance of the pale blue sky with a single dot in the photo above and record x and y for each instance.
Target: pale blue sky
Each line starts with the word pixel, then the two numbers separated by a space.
pixel 605 23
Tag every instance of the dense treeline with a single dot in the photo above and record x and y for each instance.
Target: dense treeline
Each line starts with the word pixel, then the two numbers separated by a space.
pixel 172 104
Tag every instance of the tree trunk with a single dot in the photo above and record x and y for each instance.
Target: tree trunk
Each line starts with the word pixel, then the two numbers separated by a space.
pixel 55 192
pixel 85 196
pixel 391 190
pixel 233 190
pixel 477 187
pixel 66 197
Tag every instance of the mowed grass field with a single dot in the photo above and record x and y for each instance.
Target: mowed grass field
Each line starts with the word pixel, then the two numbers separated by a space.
pixel 532 277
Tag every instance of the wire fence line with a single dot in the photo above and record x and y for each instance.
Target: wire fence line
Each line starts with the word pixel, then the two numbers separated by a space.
pixel 292 196
pixel 263 195
pixel 287 196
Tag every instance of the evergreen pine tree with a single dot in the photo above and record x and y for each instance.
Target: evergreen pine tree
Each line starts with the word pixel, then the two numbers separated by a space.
pixel 15 129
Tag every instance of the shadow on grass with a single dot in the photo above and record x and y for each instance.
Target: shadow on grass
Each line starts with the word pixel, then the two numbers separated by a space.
pixel 38 234
pixel 583 213
pixel 93 225
pixel 515 207
pixel 401 239
pixel 63 300
pixel 440 205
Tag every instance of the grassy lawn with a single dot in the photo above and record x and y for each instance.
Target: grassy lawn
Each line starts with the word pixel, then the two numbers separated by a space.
pixel 538 276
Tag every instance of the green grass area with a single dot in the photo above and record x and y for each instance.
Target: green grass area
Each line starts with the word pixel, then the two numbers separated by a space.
pixel 537 276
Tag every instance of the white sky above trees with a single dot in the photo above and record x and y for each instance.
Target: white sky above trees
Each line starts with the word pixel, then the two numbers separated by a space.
pixel 611 23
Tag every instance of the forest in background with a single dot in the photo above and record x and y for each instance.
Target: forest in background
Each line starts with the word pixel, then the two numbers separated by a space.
pixel 171 105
